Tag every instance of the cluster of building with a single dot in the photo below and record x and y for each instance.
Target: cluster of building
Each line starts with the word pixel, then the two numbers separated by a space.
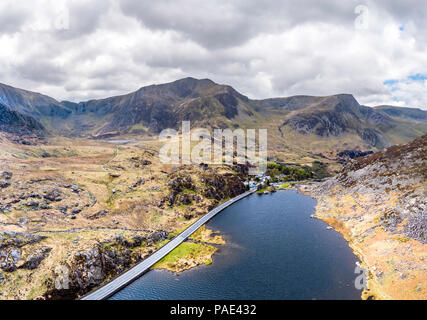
pixel 259 179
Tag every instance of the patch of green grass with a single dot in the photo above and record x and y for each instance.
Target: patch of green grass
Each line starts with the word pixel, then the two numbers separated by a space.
pixel 402 240
pixel 185 250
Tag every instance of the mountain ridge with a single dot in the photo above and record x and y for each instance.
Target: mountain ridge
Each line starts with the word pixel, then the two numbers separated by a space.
pixel 205 103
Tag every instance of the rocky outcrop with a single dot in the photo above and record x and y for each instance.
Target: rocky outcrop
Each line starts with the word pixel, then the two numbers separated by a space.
pixel 399 169
pixel 97 215
pixel 90 268
pixel 10 248
pixel 353 154
pixel 36 258
pixel 378 202
pixel 18 239
pixel 207 104
pixel 221 187
pixel 336 115
pixel 18 124
pixel 211 185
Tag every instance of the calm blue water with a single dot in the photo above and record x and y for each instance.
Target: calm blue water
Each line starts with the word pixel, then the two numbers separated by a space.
pixel 274 250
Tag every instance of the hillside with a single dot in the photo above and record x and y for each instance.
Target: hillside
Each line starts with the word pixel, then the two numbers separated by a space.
pixel 300 125
pixel 332 116
pixel 19 127
pixel 378 203
pixel 31 103
pixel 400 112
pixel 98 209
pixel 153 108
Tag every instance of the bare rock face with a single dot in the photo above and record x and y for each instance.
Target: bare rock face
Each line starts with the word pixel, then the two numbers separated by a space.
pixel 10 249
pixel 338 114
pixel 399 169
pixel 91 267
pixel 182 188
pixel 19 125
pixel 221 187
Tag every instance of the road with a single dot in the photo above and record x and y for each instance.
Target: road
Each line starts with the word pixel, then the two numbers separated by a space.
pixel 132 274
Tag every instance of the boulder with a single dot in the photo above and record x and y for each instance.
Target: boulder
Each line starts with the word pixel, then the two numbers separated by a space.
pixel 34 260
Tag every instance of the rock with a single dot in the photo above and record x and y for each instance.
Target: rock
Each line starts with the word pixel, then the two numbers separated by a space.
pixel 34 260
pixel 15 254
pixel 7 175
pixel 44 206
pixel 4 184
pixel 8 266
pixel 188 216
pixel 32 204
pixel 158 236
pixel 90 268
pixel 139 182
pixel 138 240
pixel 97 215
pixel 63 209
pixel 54 195
pixel 185 199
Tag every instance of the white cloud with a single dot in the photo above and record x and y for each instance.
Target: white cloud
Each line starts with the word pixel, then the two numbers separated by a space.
pixel 262 49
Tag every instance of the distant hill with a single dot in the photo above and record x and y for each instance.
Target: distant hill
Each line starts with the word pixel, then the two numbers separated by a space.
pixel 303 122
pixel 401 112
pixel 18 126
pixel 156 107
pixel 31 103
pixel 335 115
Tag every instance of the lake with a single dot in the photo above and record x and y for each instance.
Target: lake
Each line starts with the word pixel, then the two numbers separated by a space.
pixel 274 251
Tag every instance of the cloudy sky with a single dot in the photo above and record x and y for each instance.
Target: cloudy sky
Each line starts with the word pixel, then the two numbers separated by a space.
pixel 79 50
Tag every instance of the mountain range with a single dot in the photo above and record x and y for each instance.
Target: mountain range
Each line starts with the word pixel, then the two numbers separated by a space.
pixel 207 104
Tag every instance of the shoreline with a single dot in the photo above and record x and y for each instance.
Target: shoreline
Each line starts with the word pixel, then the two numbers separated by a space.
pixel 125 278
pixel 372 291
pixel 197 250
pixel 384 282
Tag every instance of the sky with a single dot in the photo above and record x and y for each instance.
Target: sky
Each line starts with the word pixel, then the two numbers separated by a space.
pixel 79 50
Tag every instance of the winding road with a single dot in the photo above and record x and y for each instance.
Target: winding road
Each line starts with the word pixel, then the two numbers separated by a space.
pixel 132 274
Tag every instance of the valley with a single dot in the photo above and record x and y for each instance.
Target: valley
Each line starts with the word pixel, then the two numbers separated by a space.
pixel 82 188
